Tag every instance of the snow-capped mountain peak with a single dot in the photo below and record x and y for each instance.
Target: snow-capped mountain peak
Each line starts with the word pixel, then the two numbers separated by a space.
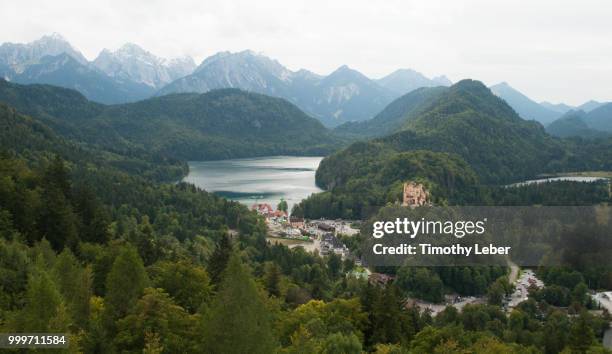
pixel 18 56
pixel 133 63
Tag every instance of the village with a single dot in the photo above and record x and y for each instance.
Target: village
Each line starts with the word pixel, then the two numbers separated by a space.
pixel 322 235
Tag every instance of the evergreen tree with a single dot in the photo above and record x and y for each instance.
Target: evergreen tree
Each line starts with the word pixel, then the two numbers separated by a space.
pixel 272 279
pixel 238 320
pixel 156 314
pixel 44 310
pixel 581 334
pixel 58 224
pixel 56 176
pixel 334 264
pixel 188 284
pixel 282 205
pixel 338 343
pixel 495 294
pixel 94 219
pixel 386 315
pixel 218 260
pixel 124 285
pixel 74 283
pixel 14 264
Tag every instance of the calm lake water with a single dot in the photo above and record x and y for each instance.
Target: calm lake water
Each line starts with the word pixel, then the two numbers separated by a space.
pixel 261 179
pixel 584 179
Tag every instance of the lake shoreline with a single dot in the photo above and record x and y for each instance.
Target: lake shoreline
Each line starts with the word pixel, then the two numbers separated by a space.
pixel 257 180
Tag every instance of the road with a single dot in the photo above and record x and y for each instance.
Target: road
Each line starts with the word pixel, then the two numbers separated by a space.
pixel 514 272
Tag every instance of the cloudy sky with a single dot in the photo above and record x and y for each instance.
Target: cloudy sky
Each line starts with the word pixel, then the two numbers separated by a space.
pixel 554 50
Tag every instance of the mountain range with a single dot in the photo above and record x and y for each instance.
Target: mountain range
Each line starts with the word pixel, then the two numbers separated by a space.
pixel 342 96
pixel 125 75
pixel 543 112
pixel 592 124
pixel 131 73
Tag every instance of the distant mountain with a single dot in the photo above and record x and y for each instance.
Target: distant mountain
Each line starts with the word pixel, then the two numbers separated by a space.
pixel 5 72
pixel 126 75
pixel 403 81
pixel 130 63
pixel 590 105
pixel 348 95
pixel 600 118
pixel 571 124
pixel 245 70
pixel 394 116
pixel 465 119
pixel 342 96
pixel 18 56
pixel 64 71
pixel 523 105
pixel 131 73
pixel 594 124
pixel 557 107
pixel 226 123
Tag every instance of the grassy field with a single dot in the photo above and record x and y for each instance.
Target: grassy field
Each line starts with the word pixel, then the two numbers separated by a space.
pixel 286 241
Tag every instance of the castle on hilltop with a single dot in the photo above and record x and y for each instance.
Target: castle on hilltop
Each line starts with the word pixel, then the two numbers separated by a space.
pixel 415 195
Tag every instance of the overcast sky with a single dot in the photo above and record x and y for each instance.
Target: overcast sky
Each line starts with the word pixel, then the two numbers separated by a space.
pixel 554 50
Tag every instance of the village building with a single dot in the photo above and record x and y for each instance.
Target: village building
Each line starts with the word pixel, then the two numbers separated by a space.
pixel 326 227
pixel 379 279
pixel 331 244
pixel 264 209
pixel 415 195
pixel 294 221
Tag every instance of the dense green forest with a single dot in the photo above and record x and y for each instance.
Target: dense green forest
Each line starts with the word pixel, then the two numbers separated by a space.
pixel 95 244
pixel 216 125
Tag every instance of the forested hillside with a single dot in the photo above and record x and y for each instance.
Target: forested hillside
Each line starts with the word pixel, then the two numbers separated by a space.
pixel 216 125
pixel 475 129
pixel 393 116
pixel 469 121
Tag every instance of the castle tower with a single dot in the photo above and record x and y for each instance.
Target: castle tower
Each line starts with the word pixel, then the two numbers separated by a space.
pixel 415 195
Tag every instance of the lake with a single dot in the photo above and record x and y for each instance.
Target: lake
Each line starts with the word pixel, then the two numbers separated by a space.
pixel 584 179
pixel 259 179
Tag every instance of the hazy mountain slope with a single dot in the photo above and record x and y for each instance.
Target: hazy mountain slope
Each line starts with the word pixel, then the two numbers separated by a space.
pixel 600 118
pixel 403 81
pixel 5 72
pixel 393 116
pixel 348 95
pixel 557 107
pixel 590 105
pixel 573 124
pixel 64 71
pixel 523 105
